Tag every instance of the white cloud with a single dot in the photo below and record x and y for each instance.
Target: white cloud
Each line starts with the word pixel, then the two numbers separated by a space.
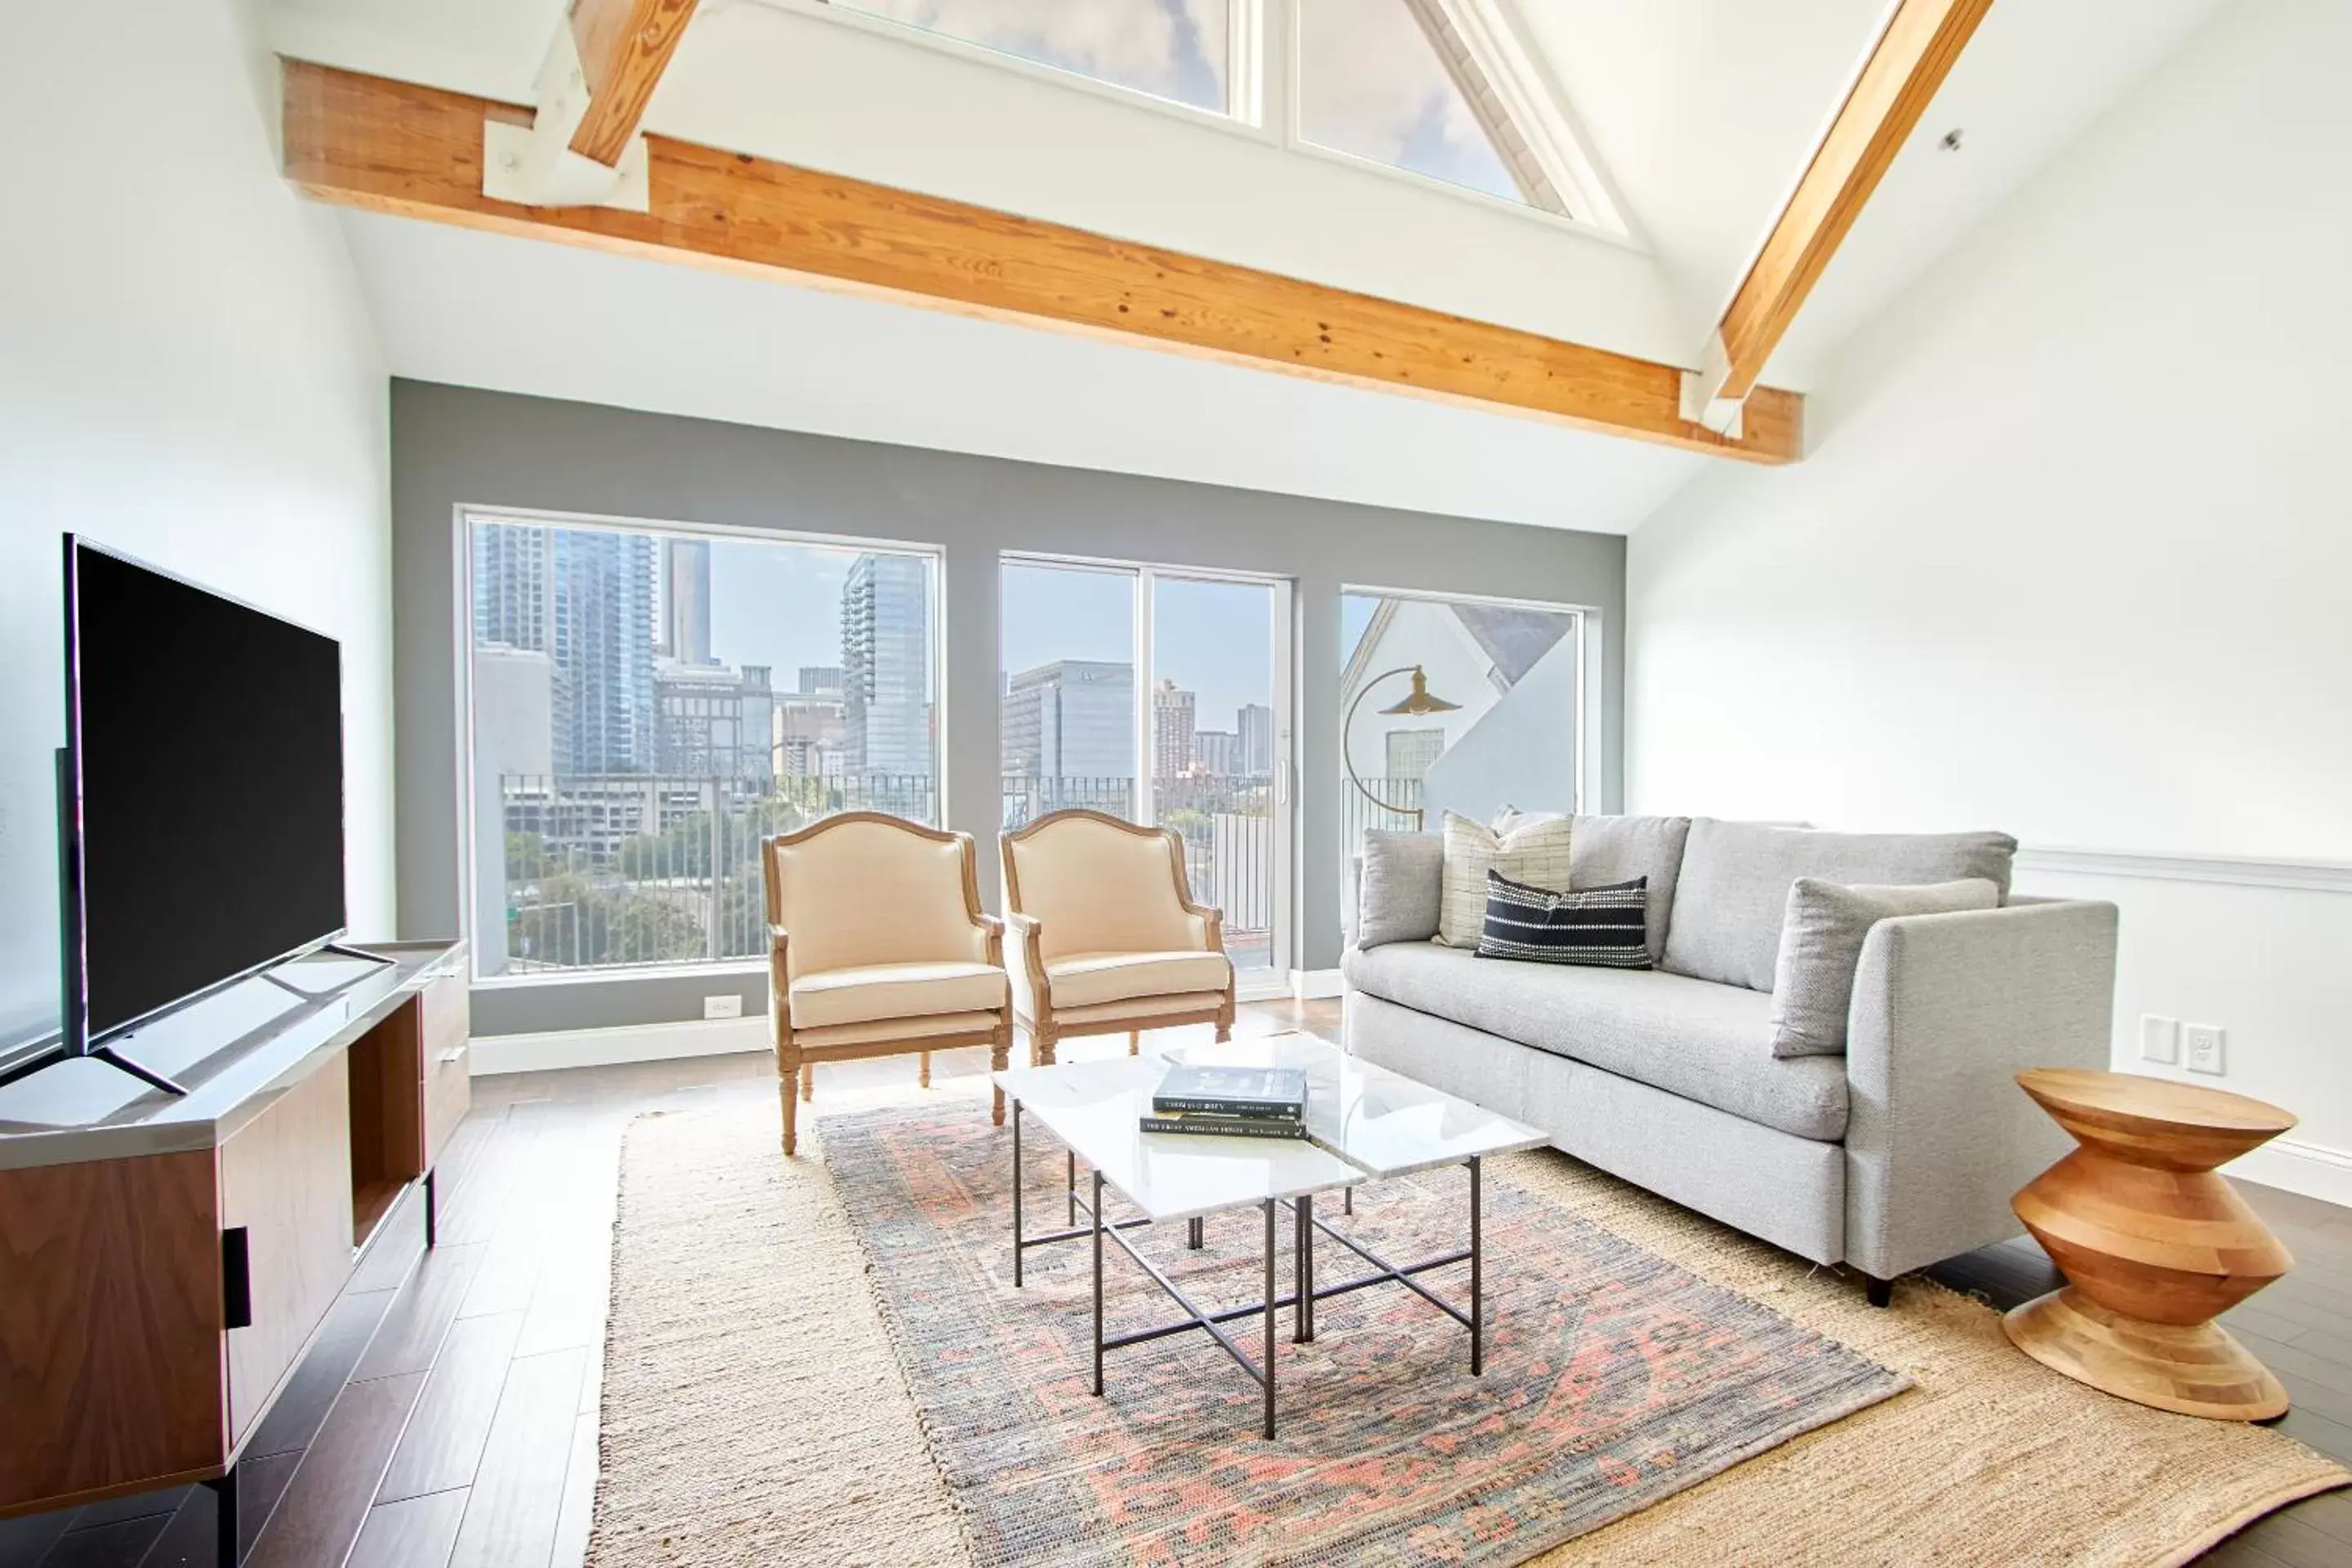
pixel 1371 79
pixel 1136 43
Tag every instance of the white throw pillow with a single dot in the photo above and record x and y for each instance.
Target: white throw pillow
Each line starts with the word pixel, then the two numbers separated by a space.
pixel 1534 854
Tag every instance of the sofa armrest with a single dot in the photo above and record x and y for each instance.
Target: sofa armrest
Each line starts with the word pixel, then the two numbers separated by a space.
pixel 1948 1009
pixel 1024 969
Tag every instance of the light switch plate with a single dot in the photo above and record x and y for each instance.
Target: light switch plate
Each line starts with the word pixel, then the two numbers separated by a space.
pixel 722 1006
pixel 2159 1038
pixel 2203 1044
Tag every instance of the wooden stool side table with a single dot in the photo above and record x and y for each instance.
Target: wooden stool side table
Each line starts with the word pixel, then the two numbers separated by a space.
pixel 2154 1243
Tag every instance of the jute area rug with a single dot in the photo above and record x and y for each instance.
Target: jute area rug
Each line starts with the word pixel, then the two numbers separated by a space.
pixel 757 1409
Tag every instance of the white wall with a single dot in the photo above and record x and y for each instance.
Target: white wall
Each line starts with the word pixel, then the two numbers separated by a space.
pixel 2071 553
pixel 186 373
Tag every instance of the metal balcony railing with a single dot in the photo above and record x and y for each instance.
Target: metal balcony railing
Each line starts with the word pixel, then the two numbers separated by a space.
pixel 627 871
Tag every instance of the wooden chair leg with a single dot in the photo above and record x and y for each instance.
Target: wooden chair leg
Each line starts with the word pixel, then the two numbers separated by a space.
pixel 998 1060
pixel 1134 1042
pixel 923 1072
pixel 808 1080
pixel 791 1103
pixel 1041 1047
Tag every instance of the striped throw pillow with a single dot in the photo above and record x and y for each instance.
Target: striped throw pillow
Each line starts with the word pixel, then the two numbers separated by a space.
pixel 1598 926
pixel 1534 852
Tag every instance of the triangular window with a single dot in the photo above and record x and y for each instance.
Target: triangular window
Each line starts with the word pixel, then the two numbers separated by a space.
pixel 1425 86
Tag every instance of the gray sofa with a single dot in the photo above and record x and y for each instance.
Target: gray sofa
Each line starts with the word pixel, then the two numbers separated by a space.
pixel 1901 1151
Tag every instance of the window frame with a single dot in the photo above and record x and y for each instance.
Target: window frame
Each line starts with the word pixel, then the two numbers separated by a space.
pixel 463 517
pixel 1262 97
pixel 1591 782
pixel 1144 575
pixel 1242 113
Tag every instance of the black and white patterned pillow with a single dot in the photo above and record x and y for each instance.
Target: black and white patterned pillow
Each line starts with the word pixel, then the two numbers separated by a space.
pixel 1598 926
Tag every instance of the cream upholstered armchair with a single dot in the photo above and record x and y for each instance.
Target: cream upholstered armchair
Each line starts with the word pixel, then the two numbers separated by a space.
pixel 1108 939
pixel 877 947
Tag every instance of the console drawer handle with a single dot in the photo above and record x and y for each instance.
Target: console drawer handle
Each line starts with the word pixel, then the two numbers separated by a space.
pixel 454 1053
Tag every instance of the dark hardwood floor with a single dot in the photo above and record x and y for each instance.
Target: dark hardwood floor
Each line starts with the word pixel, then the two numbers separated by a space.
pixel 447 1413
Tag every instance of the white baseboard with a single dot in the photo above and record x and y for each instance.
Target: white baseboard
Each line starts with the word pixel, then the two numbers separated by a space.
pixel 1315 984
pixel 629 1043
pixel 2313 1170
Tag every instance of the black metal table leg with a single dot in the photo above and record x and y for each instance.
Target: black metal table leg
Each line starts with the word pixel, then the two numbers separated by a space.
pixel 225 1522
pixel 1070 1183
pixel 432 1209
pixel 1196 1232
pixel 1477 1282
pixel 1346 1200
pixel 1269 1318
pixel 1302 1270
pixel 1098 1293
pixel 1017 1248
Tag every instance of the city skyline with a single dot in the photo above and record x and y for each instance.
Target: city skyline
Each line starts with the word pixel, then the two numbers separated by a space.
pixel 720 622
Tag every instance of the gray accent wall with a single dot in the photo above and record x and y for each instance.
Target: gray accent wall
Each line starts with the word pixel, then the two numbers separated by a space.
pixel 454 448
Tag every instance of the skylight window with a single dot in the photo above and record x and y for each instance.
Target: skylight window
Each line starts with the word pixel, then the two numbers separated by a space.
pixel 1177 49
pixel 1370 82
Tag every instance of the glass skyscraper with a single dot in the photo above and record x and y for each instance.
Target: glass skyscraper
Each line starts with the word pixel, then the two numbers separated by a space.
pixel 886 614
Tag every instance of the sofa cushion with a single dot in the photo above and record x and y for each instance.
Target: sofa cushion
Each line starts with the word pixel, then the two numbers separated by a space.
pixel 1606 849
pixel 1397 886
pixel 1734 888
pixel 1536 854
pixel 1821 945
pixel 1690 1037
pixel 1084 979
pixel 877 990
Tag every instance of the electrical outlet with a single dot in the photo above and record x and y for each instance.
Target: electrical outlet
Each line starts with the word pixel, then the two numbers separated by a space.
pixel 2204 1043
pixel 722 1006
pixel 2159 1038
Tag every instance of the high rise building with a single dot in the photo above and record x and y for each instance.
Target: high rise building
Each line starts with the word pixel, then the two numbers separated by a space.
pixel 685 599
pixel 1216 753
pixel 806 734
pixel 818 679
pixel 886 665
pixel 1173 727
pixel 1070 719
pixel 513 588
pixel 585 598
pixel 1254 725
pixel 716 722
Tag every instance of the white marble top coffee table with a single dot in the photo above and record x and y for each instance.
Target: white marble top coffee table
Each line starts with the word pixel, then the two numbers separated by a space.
pixel 1362 1122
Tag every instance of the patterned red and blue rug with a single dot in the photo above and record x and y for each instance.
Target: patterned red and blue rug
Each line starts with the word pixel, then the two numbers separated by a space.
pixel 1613 1379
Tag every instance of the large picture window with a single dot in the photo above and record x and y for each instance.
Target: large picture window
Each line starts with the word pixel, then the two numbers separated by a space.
pixel 1507 727
pixel 645 705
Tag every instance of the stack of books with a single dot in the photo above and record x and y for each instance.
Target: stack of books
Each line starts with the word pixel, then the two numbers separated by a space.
pixel 1231 1102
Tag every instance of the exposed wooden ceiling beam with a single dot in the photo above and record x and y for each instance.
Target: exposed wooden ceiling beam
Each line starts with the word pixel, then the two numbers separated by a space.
pixel 1922 41
pixel 388 146
pixel 623 46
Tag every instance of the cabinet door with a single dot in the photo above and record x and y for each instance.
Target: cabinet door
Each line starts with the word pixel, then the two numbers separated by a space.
pixel 286 1176
pixel 447 1013
pixel 110 1326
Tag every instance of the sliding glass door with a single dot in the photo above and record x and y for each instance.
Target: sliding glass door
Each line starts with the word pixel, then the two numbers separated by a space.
pixel 1159 696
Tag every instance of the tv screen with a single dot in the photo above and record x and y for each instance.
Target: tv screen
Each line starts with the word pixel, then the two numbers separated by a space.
pixel 205 743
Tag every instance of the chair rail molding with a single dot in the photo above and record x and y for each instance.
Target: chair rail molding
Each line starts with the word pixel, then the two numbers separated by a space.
pixel 2305 875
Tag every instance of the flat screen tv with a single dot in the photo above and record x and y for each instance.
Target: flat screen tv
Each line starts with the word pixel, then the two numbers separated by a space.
pixel 201 793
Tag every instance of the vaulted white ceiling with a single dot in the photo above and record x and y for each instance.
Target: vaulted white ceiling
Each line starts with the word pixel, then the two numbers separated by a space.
pixel 1700 115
